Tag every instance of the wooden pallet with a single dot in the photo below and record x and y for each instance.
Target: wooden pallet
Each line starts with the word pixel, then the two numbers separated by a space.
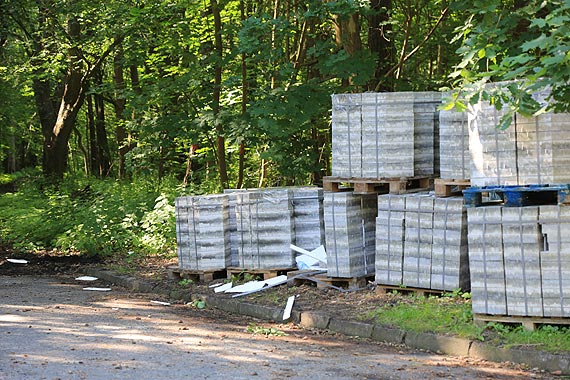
pixel 517 196
pixel 263 274
pixel 302 276
pixel 352 283
pixel 420 292
pixel 203 276
pixel 449 187
pixel 529 323
pixel 377 185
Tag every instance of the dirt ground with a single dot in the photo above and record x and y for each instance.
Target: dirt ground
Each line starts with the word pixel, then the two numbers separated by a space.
pixel 343 305
pixel 333 302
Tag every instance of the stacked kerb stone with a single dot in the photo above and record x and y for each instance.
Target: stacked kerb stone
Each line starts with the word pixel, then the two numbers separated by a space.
pixel 384 135
pixel 350 233
pixel 308 217
pixel 264 229
pixel 530 151
pixel 421 242
pixel 554 223
pixel 418 241
pixel 521 248
pixel 455 159
pixel 519 261
pixel 449 254
pixel 426 133
pixel 390 228
pixel 493 151
pixel 486 260
pixel 203 234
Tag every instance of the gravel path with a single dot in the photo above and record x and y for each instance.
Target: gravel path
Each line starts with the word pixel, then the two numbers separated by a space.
pixel 50 328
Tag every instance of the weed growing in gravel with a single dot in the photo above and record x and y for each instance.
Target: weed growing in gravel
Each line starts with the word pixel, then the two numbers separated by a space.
pixel 267 331
pixel 547 337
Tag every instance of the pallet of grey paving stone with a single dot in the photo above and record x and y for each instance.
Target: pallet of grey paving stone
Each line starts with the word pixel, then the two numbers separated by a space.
pixel 517 196
pixel 203 232
pixel 350 233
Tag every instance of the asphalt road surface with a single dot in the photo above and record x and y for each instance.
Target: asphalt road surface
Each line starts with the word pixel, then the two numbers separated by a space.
pixel 50 328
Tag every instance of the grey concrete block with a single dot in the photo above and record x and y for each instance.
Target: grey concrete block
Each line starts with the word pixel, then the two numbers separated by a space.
pixel 260 311
pixel 388 334
pixel 314 320
pixel 351 328
pixel 438 343
pixel 533 358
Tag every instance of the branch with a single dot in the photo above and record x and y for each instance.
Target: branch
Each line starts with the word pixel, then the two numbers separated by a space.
pixel 103 56
pixel 415 50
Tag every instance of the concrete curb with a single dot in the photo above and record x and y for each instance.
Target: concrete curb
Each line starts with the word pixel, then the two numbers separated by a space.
pixel 448 345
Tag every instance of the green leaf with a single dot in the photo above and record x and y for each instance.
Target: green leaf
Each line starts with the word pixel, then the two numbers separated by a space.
pixel 540 41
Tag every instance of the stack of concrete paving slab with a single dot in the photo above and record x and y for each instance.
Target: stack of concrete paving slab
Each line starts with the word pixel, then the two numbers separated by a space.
pixel 426 133
pixel 350 233
pixel 384 135
pixel 418 240
pixel 264 229
pixel 308 217
pixel 455 159
pixel 530 151
pixel 554 222
pixel 202 231
pixel 390 230
pixel 519 261
pixel 449 255
pixel 421 242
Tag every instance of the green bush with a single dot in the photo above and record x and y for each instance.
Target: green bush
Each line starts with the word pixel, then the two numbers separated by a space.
pixel 90 216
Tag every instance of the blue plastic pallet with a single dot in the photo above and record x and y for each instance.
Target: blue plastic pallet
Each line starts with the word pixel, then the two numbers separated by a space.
pixel 517 196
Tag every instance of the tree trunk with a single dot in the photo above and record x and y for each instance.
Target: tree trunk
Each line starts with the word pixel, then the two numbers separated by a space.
pixel 92 136
pixel 119 103
pixel 347 35
pixel 104 155
pixel 220 140
pixel 380 43
pixel 244 98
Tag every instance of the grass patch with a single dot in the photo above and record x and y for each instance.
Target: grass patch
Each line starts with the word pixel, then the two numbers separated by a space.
pixel 442 315
pixel 555 339
pixel 452 314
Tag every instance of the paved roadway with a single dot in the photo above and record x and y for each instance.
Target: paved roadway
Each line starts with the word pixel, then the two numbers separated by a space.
pixel 50 328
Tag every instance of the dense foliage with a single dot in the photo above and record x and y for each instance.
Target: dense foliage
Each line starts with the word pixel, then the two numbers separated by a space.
pixel 526 43
pixel 196 96
pixel 234 91
pixel 93 217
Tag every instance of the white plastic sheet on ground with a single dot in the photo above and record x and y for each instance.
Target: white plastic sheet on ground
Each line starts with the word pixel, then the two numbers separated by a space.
pixel 17 261
pixel 97 289
pixel 86 278
pixel 288 308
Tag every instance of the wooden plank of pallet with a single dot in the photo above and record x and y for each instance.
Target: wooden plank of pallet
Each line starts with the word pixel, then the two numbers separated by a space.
pixel 263 274
pixel 420 292
pixel 203 276
pixel 377 185
pixel 448 187
pixel 529 323
pixel 324 281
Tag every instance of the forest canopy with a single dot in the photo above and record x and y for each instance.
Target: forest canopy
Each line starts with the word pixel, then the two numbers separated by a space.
pixel 236 93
